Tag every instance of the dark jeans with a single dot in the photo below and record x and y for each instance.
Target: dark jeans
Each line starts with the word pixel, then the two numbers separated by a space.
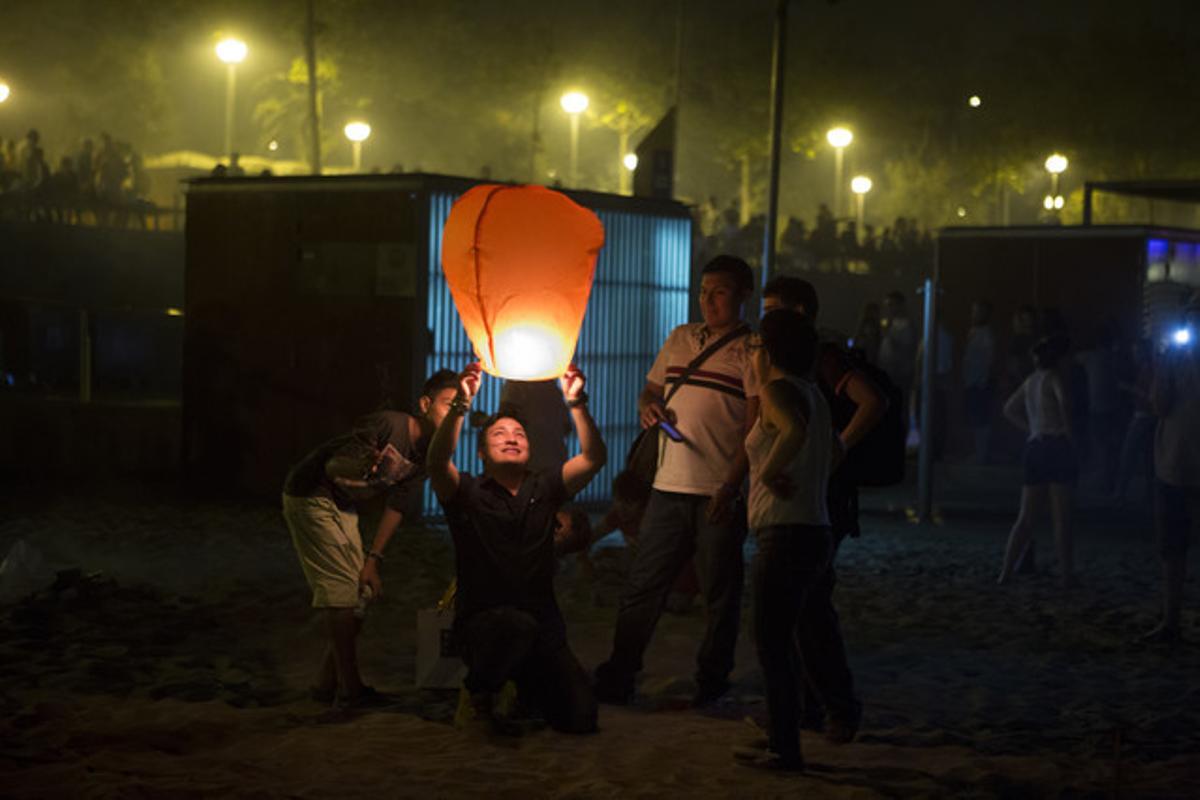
pixel 503 644
pixel 790 562
pixel 674 528
pixel 821 652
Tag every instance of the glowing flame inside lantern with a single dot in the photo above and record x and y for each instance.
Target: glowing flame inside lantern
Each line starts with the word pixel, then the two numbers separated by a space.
pixel 519 262
pixel 529 351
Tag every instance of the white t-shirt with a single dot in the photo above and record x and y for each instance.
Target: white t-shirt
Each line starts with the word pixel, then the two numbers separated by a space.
pixel 1043 409
pixel 710 410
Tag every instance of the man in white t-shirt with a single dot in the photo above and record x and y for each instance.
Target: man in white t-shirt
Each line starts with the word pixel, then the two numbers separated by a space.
pixel 695 506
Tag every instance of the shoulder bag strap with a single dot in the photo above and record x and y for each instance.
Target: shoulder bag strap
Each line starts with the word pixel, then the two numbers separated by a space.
pixel 704 355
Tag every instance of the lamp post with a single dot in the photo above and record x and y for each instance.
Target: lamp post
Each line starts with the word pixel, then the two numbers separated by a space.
pixel 357 132
pixel 232 52
pixel 1056 165
pixel 629 162
pixel 860 185
pixel 839 138
pixel 574 103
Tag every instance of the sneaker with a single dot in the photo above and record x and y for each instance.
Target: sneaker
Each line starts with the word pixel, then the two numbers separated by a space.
pixel 487 714
pixel 710 692
pixel 610 689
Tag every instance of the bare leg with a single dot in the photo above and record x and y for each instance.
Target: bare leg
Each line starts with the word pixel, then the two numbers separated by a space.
pixel 343 635
pixel 1032 497
pixel 1060 513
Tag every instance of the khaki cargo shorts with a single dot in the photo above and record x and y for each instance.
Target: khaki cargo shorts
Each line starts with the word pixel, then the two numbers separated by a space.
pixel 329 546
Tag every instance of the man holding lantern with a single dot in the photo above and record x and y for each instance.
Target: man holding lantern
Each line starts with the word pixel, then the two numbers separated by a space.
pixel 702 393
pixel 507 621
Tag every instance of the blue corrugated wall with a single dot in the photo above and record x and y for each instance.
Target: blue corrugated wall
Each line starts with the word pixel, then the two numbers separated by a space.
pixel 640 294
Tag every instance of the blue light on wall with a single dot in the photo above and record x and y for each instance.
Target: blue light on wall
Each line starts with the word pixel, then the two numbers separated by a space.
pixel 640 294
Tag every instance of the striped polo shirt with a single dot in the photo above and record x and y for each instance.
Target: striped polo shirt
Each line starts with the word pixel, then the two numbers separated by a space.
pixel 710 409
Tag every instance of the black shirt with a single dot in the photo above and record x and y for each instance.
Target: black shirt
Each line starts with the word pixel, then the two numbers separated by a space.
pixel 504 545
pixel 352 454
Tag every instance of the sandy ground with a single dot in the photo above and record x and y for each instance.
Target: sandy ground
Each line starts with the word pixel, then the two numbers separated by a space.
pixel 180 669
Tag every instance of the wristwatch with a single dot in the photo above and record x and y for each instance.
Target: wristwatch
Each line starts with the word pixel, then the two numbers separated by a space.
pixel 581 400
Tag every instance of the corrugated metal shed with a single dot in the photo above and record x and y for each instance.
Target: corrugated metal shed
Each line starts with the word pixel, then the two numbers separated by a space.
pixel 311 298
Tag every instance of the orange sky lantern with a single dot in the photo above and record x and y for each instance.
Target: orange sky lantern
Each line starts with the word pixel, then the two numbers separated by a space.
pixel 519 261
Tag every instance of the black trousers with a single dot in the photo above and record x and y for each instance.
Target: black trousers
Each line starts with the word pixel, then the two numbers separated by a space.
pixel 788 567
pixel 506 643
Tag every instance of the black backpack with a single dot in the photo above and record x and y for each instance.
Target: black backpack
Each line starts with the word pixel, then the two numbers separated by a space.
pixel 879 458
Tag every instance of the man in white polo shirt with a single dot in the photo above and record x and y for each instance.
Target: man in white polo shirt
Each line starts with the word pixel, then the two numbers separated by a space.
pixel 695 506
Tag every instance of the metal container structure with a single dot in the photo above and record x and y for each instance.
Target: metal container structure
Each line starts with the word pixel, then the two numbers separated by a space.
pixel 312 300
pixel 1129 276
pixel 1130 280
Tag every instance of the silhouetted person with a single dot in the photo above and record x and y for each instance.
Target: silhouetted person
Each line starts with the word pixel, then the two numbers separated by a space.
pixel 857 405
pixel 1137 449
pixel 978 377
pixel 1105 423
pixel 898 345
pixel 1042 408
pixel 869 332
pixel 1176 398
pixel 792 449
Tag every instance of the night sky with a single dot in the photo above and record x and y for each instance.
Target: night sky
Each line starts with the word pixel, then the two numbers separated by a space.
pixel 452 87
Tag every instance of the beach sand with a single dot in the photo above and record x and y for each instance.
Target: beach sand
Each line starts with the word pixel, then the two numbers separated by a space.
pixel 175 664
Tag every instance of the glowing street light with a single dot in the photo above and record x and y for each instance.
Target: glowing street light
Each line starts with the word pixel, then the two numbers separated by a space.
pixel 1056 165
pixel 860 185
pixel 574 103
pixel 231 52
pixel 839 138
pixel 630 161
pixel 4 91
pixel 974 101
pixel 357 132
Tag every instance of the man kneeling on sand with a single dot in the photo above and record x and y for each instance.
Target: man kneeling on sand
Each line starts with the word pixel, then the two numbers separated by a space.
pixel 508 624
pixel 381 455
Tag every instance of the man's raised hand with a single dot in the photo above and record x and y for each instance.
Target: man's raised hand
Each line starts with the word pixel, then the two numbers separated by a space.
pixel 469 380
pixel 572 383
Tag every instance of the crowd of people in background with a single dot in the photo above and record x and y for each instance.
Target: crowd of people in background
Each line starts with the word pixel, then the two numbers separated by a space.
pixel 104 184
pixel 828 245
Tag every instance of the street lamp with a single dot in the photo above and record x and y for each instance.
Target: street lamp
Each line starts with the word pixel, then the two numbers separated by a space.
pixel 860 185
pixel 232 52
pixel 574 103
pixel 840 138
pixel 4 91
pixel 630 162
pixel 357 132
pixel 974 101
pixel 1056 165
